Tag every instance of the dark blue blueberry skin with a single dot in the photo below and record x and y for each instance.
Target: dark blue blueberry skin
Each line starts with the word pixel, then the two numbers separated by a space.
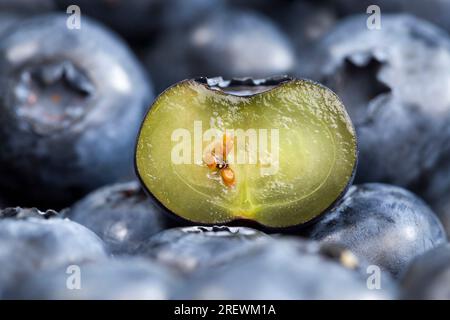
pixel 109 279
pixel 394 83
pixel 385 225
pixel 71 104
pixel 32 241
pixel 121 215
pixel 259 49
pixel 282 269
pixel 193 248
pixel 428 276
pixel 141 19
pixel 7 20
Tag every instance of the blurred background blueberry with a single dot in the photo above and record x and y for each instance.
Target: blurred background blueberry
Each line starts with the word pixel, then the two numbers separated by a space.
pixel 139 20
pixel 228 43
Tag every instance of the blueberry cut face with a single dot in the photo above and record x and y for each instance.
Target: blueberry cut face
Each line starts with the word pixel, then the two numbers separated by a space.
pixel 276 151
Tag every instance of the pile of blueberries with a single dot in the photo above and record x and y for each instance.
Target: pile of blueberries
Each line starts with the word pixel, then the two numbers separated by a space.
pixel 74 222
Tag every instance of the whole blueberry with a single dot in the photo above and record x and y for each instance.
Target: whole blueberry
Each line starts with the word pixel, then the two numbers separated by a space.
pixel 385 225
pixel 230 43
pixel 428 276
pixel 33 241
pixel 192 248
pixel 394 83
pixel 121 215
pixel 282 269
pixel 109 279
pixel 71 102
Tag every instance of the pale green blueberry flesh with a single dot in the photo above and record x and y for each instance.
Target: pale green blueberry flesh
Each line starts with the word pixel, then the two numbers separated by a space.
pixel 306 164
